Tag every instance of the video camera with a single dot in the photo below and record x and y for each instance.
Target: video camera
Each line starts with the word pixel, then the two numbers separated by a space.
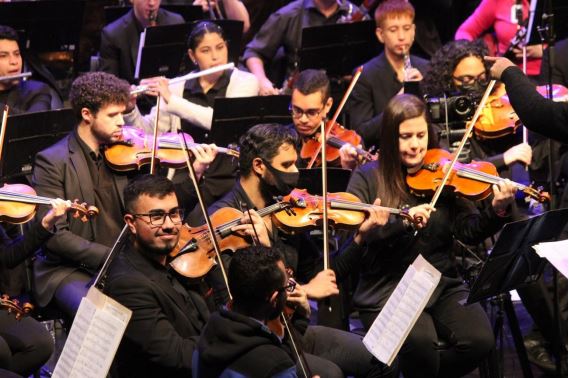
pixel 460 107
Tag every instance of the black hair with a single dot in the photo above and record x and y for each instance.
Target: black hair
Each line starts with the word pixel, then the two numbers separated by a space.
pixel 310 81
pixel 151 185
pixel 253 277
pixel 95 90
pixel 263 141
pixel 200 29
pixel 438 79
pixel 8 33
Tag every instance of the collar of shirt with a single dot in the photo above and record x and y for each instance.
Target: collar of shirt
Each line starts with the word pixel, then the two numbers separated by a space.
pixel 194 87
pixel 87 151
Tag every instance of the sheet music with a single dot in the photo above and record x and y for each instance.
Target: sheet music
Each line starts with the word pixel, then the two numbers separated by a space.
pixel 398 316
pixel 94 338
pixel 139 55
pixel 557 253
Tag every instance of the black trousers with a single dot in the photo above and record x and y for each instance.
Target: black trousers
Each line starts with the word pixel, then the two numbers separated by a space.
pixel 25 345
pixel 466 329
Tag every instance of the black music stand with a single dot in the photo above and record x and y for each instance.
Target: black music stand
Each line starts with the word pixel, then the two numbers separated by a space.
pixel 311 179
pixel 232 117
pixel 28 134
pixel 338 48
pixel 189 12
pixel 161 51
pixel 511 264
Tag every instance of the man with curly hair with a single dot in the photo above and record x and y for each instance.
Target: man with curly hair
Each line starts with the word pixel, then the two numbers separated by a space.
pixel 74 168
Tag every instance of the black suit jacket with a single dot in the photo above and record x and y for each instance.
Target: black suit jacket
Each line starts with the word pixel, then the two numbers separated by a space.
pixel 119 43
pixel 166 319
pixel 29 96
pixel 61 171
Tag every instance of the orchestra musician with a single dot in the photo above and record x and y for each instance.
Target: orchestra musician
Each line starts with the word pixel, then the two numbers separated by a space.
pixel 268 155
pixel 120 39
pixel 390 249
pixel 383 76
pixel 238 340
pixel 189 105
pixel 284 29
pixel 74 167
pixel 228 9
pixel 167 318
pixel 309 105
pixel 459 68
pixel 25 344
pixel 22 96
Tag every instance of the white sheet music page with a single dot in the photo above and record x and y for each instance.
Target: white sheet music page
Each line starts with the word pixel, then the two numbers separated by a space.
pixel 141 43
pixel 94 337
pixel 557 253
pixel 398 316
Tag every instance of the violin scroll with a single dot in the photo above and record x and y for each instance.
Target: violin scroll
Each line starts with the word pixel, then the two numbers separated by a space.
pixel 415 221
pixel 83 210
pixel 13 306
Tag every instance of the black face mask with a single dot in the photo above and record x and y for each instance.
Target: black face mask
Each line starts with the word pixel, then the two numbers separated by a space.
pixel 285 182
pixel 476 88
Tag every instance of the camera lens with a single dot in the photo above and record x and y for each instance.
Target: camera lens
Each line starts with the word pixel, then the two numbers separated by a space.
pixel 462 105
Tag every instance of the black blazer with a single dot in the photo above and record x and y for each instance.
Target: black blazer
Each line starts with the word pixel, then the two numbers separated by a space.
pixel 29 96
pixel 119 43
pixel 61 171
pixel 166 320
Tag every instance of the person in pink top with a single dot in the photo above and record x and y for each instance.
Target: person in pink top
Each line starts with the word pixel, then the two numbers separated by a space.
pixel 500 15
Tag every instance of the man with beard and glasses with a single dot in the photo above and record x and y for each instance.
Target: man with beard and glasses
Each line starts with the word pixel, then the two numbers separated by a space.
pixel 167 317
pixel 267 160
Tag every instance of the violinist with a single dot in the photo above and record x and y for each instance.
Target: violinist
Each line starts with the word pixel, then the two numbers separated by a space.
pixel 22 96
pixel 284 29
pixel 309 105
pixel 226 9
pixel 167 317
pixel 237 340
pixel 25 344
pixel 384 75
pixel 390 249
pixel 267 160
pixel 120 39
pixel 459 68
pixel 189 105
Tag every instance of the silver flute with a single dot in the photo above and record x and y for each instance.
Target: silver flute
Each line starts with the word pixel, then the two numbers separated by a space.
pixel 22 75
pixel 229 66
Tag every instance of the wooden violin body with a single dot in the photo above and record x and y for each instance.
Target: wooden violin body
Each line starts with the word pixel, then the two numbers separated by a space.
pixel 498 117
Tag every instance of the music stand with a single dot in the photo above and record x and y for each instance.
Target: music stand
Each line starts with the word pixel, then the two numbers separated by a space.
pixel 232 117
pixel 161 51
pixel 512 262
pixel 189 12
pixel 311 179
pixel 28 134
pixel 338 48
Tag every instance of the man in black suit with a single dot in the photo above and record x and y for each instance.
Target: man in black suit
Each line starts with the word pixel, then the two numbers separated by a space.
pixel 166 317
pixel 74 168
pixel 120 39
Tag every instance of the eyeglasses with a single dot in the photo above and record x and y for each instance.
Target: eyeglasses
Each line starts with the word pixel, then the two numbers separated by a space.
pixel 310 113
pixel 157 218
pixel 289 287
pixel 469 79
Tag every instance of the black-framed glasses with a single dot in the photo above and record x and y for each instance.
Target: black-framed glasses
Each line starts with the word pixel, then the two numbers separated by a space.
pixel 469 79
pixel 310 113
pixel 157 218
pixel 290 286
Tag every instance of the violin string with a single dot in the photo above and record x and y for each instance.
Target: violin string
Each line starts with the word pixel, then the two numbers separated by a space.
pixel 358 204
pixel 491 179
pixel 23 196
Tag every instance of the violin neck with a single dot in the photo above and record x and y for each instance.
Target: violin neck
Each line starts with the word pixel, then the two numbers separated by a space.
pixel 484 177
pixel 338 143
pixel 177 146
pixel 359 206
pixel 225 229
pixel 24 198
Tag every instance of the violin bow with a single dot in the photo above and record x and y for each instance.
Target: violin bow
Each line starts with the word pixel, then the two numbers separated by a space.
pixel 462 142
pixel 325 134
pixel 155 136
pixel 301 358
pixel 3 127
pixel 203 208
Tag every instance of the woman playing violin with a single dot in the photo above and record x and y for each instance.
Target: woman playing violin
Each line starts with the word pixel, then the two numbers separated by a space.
pixel 310 103
pixel 406 136
pixel 25 344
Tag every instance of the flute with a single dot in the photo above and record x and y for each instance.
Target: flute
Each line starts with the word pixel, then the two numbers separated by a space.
pixel 144 88
pixel 22 75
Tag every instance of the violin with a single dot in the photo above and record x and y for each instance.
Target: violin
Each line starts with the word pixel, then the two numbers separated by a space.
pixel 13 306
pixel 345 211
pixel 559 92
pixel 135 150
pixel 473 181
pixel 498 117
pixel 18 204
pixel 194 255
pixel 337 137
